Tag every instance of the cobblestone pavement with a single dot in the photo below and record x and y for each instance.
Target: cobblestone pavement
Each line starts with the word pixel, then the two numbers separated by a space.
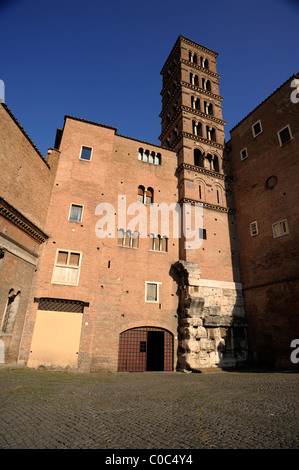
pixel 220 410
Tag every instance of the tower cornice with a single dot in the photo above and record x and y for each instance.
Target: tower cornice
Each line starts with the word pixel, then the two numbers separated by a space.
pixel 193 111
pixel 201 139
pixel 183 39
pixel 204 171
pixel 206 205
pixel 198 67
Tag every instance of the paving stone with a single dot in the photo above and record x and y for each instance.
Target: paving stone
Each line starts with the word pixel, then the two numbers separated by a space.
pixel 223 410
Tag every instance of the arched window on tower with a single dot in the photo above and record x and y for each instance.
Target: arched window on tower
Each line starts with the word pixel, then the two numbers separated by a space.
pixel 140 154
pixel 197 128
pixel 211 133
pixel 208 161
pixel 195 103
pixel 192 57
pixel 204 62
pixel 206 84
pixel 215 163
pixel 197 157
pixel 208 107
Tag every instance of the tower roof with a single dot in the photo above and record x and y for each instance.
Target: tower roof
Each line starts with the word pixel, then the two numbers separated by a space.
pixel 181 39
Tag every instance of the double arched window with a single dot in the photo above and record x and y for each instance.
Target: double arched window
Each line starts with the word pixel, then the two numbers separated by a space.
pixel 145 195
pixel 208 161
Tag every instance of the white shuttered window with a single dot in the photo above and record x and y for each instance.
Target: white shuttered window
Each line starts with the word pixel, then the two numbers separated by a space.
pixel 67 268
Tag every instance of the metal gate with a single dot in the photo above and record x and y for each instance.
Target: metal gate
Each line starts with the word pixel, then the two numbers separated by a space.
pixel 144 349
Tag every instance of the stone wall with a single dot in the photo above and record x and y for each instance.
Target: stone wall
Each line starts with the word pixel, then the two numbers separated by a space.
pixel 212 325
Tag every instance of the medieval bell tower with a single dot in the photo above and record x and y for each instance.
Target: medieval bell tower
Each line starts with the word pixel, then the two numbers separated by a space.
pixel 212 331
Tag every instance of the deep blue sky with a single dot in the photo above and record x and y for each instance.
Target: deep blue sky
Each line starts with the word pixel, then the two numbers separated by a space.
pixel 101 60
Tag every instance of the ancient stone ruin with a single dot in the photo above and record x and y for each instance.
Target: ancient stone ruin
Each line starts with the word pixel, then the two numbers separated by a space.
pixel 212 324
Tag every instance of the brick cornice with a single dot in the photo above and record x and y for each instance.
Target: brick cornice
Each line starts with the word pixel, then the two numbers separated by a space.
pixel 201 90
pixel 199 169
pixel 206 205
pixel 15 217
pixel 204 115
pixel 196 112
pixel 192 87
pixel 199 67
pixel 198 138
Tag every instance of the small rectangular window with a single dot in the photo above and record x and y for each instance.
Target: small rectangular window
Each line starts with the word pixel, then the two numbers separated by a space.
pixel 76 213
pixel 280 228
pixel 152 291
pixel 253 229
pixel 243 154
pixel 284 135
pixel 257 128
pixel 142 346
pixel 202 233
pixel 85 153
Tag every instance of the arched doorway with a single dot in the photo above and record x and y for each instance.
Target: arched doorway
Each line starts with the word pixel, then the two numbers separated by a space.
pixel 145 349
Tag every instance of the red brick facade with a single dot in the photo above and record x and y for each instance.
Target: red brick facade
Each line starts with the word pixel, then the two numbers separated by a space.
pixel 26 181
pixel 108 295
pixel 266 193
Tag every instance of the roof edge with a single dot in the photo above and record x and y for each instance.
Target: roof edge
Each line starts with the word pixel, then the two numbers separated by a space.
pixel 9 112
pixel 295 75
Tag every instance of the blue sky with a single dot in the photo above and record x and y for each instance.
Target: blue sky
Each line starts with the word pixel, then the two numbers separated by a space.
pixel 101 60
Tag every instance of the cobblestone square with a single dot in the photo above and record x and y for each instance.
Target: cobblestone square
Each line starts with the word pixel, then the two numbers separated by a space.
pixel 216 410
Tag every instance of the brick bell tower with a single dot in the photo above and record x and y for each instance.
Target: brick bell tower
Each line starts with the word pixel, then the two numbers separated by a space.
pixel 212 319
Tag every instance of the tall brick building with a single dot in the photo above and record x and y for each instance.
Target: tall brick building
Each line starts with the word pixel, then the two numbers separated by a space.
pixel 264 157
pixel 26 181
pixel 122 282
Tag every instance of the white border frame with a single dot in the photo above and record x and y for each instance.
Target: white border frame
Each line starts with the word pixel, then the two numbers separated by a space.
pixel 257 230
pixel 84 159
pixel 279 139
pixel 255 135
pixel 75 204
pixel 243 158
pixel 282 234
pixel 158 293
